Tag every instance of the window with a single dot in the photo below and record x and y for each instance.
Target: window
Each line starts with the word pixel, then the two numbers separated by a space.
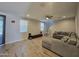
pixel 23 25
pixel 42 26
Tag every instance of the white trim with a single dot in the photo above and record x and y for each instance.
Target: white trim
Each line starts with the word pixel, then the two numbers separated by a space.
pixel 12 42
pixel 2 44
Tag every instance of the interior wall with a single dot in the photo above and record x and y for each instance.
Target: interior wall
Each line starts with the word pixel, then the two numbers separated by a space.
pixel 67 25
pixel 77 20
pixel 33 27
pixel 12 29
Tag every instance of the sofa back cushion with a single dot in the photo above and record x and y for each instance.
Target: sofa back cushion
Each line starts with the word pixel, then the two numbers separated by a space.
pixel 59 35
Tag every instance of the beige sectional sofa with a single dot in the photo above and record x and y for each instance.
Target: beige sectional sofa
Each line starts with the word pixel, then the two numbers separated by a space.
pixel 60 47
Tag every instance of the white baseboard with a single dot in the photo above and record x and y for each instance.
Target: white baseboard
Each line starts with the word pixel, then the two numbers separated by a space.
pixel 12 42
pixel 2 44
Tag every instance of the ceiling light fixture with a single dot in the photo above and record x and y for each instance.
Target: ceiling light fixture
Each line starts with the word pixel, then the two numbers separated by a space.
pixel 27 15
pixel 63 16
pixel 47 18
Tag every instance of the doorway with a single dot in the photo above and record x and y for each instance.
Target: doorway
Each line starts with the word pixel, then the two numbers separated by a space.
pixel 2 29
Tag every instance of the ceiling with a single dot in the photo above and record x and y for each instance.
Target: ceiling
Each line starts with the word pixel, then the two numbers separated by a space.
pixel 15 8
pixel 55 9
pixel 37 10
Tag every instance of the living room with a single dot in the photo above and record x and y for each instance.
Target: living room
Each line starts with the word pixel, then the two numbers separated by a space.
pixel 33 29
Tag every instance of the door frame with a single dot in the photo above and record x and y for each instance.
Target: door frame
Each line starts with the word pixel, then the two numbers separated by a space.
pixel 4 28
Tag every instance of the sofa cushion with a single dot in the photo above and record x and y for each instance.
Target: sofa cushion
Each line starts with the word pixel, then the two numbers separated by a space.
pixel 65 38
pixel 59 35
pixel 71 42
pixel 77 45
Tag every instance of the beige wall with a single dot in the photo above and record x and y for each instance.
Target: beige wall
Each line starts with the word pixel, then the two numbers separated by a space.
pixel 67 25
pixel 77 20
pixel 33 27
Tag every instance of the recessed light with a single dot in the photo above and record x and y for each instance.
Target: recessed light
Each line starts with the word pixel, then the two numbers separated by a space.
pixel 27 15
pixel 47 18
pixel 63 16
